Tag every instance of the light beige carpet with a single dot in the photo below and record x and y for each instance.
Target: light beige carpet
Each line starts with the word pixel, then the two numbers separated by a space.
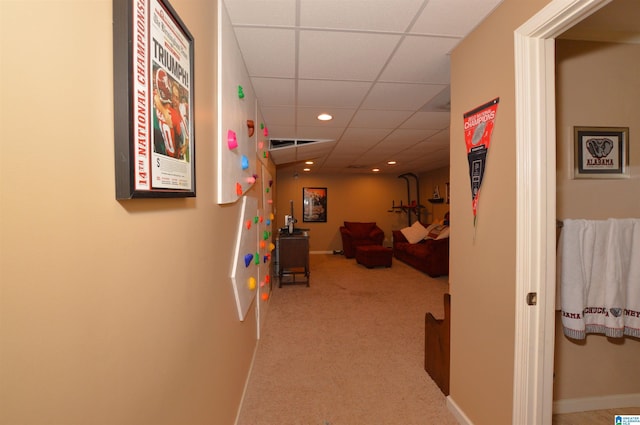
pixel 348 350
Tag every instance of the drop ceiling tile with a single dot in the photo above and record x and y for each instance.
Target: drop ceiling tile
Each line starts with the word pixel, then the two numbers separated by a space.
pixel 280 132
pixel 259 12
pixel 379 119
pixel 389 154
pixel 314 150
pixel 440 138
pixel 275 91
pixel 282 156
pixel 342 158
pixel 378 15
pixel 378 154
pixel 443 16
pixel 428 121
pixel 363 136
pixel 346 151
pixel 276 116
pixel 268 52
pixel 387 149
pixel 403 96
pixel 370 161
pixel 328 170
pixel 339 94
pixel 424 149
pixel 421 60
pixel 343 55
pixel 408 136
pixel 332 133
pixel 405 157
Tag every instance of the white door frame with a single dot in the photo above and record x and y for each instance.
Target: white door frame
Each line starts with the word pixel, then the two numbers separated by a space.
pixel 536 205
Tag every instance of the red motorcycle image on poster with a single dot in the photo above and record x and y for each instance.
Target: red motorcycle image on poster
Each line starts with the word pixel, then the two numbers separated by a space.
pixel 478 126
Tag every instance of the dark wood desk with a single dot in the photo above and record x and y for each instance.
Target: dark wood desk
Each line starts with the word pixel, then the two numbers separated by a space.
pixel 293 257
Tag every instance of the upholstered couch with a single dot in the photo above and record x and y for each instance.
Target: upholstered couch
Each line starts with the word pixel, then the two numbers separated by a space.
pixel 355 234
pixel 426 250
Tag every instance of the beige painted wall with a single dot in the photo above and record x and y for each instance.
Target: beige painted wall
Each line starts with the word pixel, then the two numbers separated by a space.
pixel 584 99
pixel 482 268
pixel 428 182
pixel 110 312
pixel 355 198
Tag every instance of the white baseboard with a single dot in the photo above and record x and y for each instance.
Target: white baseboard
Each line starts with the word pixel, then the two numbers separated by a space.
pixel 566 406
pixel 596 403
pixel 457 412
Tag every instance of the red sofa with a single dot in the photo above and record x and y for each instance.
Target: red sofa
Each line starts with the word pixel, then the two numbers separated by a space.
pixel 355 234
pixel 430 256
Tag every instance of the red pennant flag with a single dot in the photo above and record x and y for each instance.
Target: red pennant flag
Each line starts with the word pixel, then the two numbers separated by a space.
pixel 478 126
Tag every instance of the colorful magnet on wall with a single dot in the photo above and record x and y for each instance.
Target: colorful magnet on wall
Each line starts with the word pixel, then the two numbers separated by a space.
pixel 265 235
pixel 256 219
pixel 265 297
pixel 256 259
pixel 263 244
pixel 271 246
pixel 268 222
pixel 270 201
pixel 250 127
pixel 245 162
pixel 238 189
pixel 261 219
pixel 232 139
pixel 252 283
pixel 248 224
pixel 265 154
pixel 247 259
pixel 240 92
pixel 251 180
pixel 266 190
pixel 265 132
pixel 267 278
pixel 261 125
pixel 271 216
pixel 265 259
pixel 260 144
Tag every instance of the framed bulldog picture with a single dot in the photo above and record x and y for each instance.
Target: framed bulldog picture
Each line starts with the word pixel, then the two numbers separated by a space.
pixel 601 152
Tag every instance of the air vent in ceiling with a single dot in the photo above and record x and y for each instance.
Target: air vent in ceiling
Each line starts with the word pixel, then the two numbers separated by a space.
pixel 287 143
pixel 278 143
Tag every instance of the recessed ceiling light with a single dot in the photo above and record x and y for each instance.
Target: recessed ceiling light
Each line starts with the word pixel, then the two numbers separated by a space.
pixel 306 169
pixel 375 170
pixel 325 117
pixel 391 162
pixel 309 162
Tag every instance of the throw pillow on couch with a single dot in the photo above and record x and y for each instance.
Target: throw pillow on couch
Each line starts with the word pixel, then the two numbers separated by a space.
pixel 415 233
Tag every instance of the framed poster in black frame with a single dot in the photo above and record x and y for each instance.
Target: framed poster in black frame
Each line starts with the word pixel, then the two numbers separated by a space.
pixel 314 204
pixel 153 60
pixel 601 152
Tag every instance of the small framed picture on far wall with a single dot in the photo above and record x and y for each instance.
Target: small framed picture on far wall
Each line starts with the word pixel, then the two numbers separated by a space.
pixel 601 152
pixel 314 204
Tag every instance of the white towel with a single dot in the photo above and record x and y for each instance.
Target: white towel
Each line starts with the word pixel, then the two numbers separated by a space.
pixel 599 271
pixel 630 230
